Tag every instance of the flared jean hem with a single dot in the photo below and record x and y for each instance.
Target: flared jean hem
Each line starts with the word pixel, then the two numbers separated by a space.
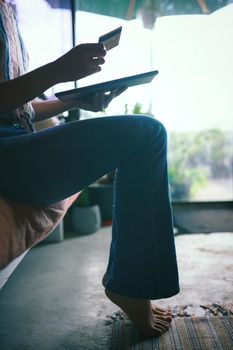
pixel 150 295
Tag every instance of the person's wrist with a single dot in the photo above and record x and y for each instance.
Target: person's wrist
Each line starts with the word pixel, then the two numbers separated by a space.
pixel 71 105
pixel 54 73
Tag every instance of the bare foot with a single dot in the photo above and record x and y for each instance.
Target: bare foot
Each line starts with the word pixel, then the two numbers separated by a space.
pixel 162 313
pixel 141 313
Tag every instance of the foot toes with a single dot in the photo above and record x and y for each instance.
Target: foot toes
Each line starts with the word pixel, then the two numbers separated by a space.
pixel 161 323
pixel 160 311
pixel 156 329
pixel 164 317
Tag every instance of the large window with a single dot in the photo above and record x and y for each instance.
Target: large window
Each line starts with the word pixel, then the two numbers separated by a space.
pixel 192 95
pixel 46 28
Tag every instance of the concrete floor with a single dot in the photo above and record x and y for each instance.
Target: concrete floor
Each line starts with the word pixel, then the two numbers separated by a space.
pixel 55 301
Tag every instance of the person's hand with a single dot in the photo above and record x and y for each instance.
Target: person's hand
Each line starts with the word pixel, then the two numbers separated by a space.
pixel 79 62
pixel 99 101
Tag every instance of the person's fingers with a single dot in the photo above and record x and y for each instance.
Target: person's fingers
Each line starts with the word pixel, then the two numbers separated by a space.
pixel 91 70
pixel 81 61
pixel 120 90
pixel 97 61
pixel 99 101
pixel 93 65
pixel 114 93
pixel 93 46
pixel 108 98
pixel 102 102
pixel 92 50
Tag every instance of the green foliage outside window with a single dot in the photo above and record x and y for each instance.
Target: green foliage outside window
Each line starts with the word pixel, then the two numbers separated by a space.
pixel 194 158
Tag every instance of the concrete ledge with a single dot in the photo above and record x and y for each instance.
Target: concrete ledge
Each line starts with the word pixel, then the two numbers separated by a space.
pixel 205 217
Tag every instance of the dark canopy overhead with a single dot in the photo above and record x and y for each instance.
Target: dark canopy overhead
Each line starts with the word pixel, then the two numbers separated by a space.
pixel 148 9
pixel 120 8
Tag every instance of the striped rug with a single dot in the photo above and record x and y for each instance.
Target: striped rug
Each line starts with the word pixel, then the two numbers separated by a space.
pixel 186 333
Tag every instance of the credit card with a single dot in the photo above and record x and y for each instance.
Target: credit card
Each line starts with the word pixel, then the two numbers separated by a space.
pixel 111 39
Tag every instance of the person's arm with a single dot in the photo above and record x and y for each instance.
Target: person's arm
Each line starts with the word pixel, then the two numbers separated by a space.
pixel 25 88
pixel 50 108
pixel 95 103
pixel 81 61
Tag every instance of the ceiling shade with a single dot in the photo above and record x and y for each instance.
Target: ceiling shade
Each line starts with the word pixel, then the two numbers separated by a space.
pixel 149 10
pixel 119 8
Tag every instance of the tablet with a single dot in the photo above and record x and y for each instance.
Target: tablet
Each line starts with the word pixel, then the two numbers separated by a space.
pixel 107 86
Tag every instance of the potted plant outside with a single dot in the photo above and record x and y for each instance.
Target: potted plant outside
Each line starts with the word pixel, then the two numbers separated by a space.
pixel 101 193
pixel 85 216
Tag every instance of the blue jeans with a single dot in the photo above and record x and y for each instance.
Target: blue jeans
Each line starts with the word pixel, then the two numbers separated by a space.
pixel 52 164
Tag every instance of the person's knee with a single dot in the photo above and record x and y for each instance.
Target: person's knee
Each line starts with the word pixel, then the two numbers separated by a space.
pixel 153 129
pixel 157 127
pixel 160 131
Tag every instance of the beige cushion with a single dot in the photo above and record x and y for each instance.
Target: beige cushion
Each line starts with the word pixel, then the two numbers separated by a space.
pixel 22 226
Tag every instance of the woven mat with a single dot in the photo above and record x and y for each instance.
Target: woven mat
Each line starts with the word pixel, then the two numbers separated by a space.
pixel 201 333
pixel 214 331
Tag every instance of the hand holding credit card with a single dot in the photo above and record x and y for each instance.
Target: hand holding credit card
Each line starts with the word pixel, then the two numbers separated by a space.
pixel 111 39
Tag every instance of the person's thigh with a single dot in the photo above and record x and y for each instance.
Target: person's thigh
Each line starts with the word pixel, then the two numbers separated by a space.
pixel 52 164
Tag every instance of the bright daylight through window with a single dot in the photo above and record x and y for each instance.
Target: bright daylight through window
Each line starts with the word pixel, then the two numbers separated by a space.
pixel 192 94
